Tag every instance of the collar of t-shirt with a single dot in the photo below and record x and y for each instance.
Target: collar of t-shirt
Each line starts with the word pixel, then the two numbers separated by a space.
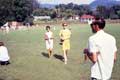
pixel 99 32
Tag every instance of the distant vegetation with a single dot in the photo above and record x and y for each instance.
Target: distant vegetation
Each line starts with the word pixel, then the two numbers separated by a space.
pixel 69 10
pixel 24 10
pixel 16 10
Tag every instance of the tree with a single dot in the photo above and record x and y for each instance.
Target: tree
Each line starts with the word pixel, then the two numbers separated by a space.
pixel 116 9
pixel 114 16
pixel 118 13
pixel 53 15
pixel 17 10
pixel 22 9
pixel 85 9
pixel 71 9
pixel 5 11
pixel 102 11
pixel 70 6
pixel 42 12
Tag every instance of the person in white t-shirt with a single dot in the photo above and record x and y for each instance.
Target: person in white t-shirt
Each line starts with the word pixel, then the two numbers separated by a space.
pixel 49 40
pixel 101 51
pixel 4 57
pixel 6 27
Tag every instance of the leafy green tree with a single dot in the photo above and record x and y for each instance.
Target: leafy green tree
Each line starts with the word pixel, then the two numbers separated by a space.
pixel 114 16
pixel 22 9
pixel 118 13
pixel 102 11
pixel 116 9
pixel 5 11
pixel 71 9
pixel 42 12
pixel 16 10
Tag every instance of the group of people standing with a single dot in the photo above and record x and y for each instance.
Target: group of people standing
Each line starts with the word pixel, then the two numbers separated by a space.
pixel 101 48
pixel 64 34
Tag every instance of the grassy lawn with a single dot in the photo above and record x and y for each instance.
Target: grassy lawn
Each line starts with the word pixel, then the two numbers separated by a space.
pixel 29 61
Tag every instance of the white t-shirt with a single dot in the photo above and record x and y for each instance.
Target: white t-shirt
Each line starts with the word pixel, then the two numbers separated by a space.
pixel 4 54
pixel 105 45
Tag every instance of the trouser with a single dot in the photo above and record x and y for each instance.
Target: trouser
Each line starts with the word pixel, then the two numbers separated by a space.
pixel 4 62
pixel 99 79
pixel 93 78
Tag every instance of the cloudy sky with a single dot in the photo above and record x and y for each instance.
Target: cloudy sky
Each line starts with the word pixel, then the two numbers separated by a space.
pixel 66 1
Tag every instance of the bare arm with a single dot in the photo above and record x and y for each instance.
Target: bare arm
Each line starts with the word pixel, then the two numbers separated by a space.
pixel 92 56
pixel 115 56
pixel 52 37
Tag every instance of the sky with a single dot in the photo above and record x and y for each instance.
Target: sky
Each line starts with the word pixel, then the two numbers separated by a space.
pixel 65 1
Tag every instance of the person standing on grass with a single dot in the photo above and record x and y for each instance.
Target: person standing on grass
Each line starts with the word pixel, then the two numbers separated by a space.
pixel 4 57
pixel 7 29
pixel 101 51
pixel 65 35
pixel 49 41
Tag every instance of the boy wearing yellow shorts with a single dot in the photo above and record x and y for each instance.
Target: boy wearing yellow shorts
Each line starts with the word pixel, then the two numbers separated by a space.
pixel 65 35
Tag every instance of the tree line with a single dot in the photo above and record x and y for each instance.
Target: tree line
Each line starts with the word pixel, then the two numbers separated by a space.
pixel 24 10
pixel 16 10
pixel 68 10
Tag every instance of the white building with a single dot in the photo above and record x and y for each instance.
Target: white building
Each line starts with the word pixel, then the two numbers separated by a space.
pixel 41 18
pixel 87 18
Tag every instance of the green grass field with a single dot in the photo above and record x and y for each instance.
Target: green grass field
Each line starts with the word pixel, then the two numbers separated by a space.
pixel 29 61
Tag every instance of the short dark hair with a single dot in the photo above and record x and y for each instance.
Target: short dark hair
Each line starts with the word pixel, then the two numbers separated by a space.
pixel 1 44
pixel 47 27
pixel 64 24
pixel 100 22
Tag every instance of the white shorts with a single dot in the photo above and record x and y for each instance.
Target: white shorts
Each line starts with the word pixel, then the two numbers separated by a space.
pixel 49 44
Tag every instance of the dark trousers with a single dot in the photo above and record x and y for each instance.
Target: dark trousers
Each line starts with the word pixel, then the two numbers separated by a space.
pixel 4 62
pixel 93 78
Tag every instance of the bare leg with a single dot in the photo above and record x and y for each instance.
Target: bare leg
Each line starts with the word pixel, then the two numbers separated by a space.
pixel 50 52
pixel 85 57
pixel 65 56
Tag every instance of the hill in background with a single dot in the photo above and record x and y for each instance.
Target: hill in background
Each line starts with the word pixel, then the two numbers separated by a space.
pixel 107 3
pixel 94 4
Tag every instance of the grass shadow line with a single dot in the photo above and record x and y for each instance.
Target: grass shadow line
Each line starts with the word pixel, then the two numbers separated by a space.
pixel 45 54
pixel 2 79
pixel 59 57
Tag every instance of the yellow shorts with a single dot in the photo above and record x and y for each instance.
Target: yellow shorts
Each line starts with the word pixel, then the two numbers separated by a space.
pixel 66 45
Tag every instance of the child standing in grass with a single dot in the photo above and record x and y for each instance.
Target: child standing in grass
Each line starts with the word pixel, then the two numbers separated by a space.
pixel 49 41
pixel 65 35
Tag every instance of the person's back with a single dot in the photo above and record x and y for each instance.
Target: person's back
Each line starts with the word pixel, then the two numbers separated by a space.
pixel 4 54
pixel 101 51
pixel 105 44
pixel 4 57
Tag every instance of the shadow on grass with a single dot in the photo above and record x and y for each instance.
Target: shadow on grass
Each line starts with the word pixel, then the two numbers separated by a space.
pixel 2 79
pixel 45 54
pixel 59 57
